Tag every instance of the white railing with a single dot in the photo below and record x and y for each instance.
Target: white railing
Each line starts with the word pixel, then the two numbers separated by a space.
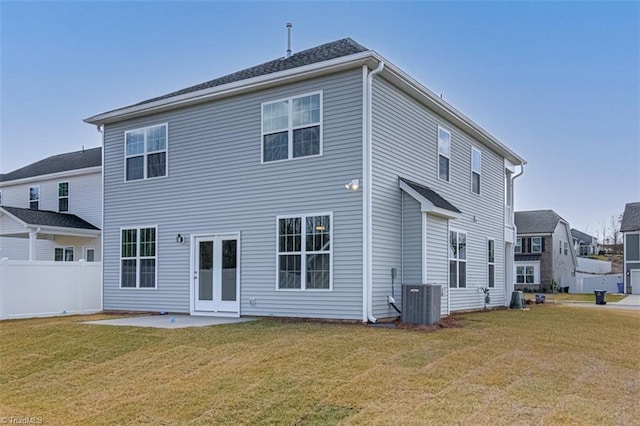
pixel 45 288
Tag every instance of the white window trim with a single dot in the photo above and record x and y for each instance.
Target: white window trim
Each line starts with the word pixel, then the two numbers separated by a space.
pixel 536 251
pixel 38 200
pixel 536 272
pixel 64 253
pixel 457 259
pixel 86 248
pixel 145 154
pixel 446 156
pixel 303 263
pixel 137 287
pixel 479 172
pixel 489 263
pixel 67 196
pixel 290 127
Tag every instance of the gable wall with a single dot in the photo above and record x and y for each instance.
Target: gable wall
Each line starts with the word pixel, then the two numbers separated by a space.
pixel 216 183
pixel 405 144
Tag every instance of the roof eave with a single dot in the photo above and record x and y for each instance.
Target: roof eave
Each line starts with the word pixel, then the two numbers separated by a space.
pixel 234 88
pixel 49 176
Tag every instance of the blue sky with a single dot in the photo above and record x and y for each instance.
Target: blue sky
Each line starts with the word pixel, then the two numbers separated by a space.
pixel 559 82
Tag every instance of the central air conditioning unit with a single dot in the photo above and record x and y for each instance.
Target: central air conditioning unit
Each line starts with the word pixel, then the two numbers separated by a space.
pixel 421 303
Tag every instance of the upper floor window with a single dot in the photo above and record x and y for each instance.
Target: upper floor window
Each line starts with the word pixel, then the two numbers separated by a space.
pixel 457 259
pixel 518 246
pixel 536 245
pixel 560 246
pixel 146 153
pixel 34 197
pixel 304 252
pixel 63 196
pixel 566 248
pixel 0 198
pixel 476 167
pixel 292 128
pixel 444 153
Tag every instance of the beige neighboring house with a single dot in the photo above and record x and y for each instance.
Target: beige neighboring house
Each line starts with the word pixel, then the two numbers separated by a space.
pixel 52 209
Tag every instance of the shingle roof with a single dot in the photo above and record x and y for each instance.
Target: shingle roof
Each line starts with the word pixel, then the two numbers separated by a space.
pixel 49 218
pixel 536 221
pixel 324 52
pixel 431 195
pixel 57 163
pixel 631 218
pixel 581 236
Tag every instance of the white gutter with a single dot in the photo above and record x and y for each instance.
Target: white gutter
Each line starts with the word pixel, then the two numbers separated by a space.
pixel 52 176
pixel 367 176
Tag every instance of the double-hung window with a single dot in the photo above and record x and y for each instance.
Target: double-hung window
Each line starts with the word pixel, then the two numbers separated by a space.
pixel 34 197
pixel 138 257
pixel 304 252
pixel 566 248
pixel 63 196
pixel 292 128
pixel 518 246
pixel 457 259
pixel 536 245
pixel 444 153
pixel 146 153
pixel 476 167
pixel 491 262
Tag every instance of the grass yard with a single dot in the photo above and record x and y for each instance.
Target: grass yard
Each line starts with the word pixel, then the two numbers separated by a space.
pixel 570 297
pixel 548 365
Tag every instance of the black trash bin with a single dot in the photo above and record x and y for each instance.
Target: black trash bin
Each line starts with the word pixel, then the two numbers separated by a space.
pixel 600 297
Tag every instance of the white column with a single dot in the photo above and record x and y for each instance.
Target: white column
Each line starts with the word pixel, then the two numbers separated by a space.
pixel 33 237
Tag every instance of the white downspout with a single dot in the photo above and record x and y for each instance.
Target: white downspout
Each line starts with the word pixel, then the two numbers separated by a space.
pixel 367 247
pixel 515 233
pixel 100 129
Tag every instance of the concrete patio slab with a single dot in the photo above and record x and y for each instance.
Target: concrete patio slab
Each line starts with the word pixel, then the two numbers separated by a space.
pixel 170 321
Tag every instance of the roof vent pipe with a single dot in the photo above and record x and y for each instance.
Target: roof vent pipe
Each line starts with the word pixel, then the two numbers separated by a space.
pixel 289 25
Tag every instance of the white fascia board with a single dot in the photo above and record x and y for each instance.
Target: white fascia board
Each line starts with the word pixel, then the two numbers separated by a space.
pixel 51 176
pixel 234 88
pixel 427 206
pixel 70 232
pixel 443 108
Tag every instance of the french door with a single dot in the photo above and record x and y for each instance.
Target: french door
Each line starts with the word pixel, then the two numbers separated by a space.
pixel 216 273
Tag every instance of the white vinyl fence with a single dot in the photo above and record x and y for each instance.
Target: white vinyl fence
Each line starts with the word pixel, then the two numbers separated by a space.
pixel 598 282
pixel 45 288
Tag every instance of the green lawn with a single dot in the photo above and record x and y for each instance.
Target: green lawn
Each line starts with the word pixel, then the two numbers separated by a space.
pixel 570 297
pixel 547 365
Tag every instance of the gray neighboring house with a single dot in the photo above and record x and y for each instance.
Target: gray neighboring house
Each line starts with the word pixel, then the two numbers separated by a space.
pixel 584 244
pixel 52 209
pixel 630 228
pixel 295 187
pixel 544 250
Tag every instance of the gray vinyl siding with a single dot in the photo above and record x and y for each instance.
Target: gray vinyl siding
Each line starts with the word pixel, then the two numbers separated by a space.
pixel 217 184
pixel 412 250
pixel 437 246
pixel 404 144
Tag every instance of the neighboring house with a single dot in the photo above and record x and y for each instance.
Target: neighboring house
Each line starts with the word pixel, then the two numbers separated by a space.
pixel 584 244
pixel 630 228
pixel 544 250
pixel 52 209
pixel 294 188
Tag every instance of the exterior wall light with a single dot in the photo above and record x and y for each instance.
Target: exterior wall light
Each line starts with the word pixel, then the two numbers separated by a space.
pixel 354 185
pixel 179 239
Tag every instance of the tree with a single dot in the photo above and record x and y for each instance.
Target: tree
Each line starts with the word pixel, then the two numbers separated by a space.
pixel 614 228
